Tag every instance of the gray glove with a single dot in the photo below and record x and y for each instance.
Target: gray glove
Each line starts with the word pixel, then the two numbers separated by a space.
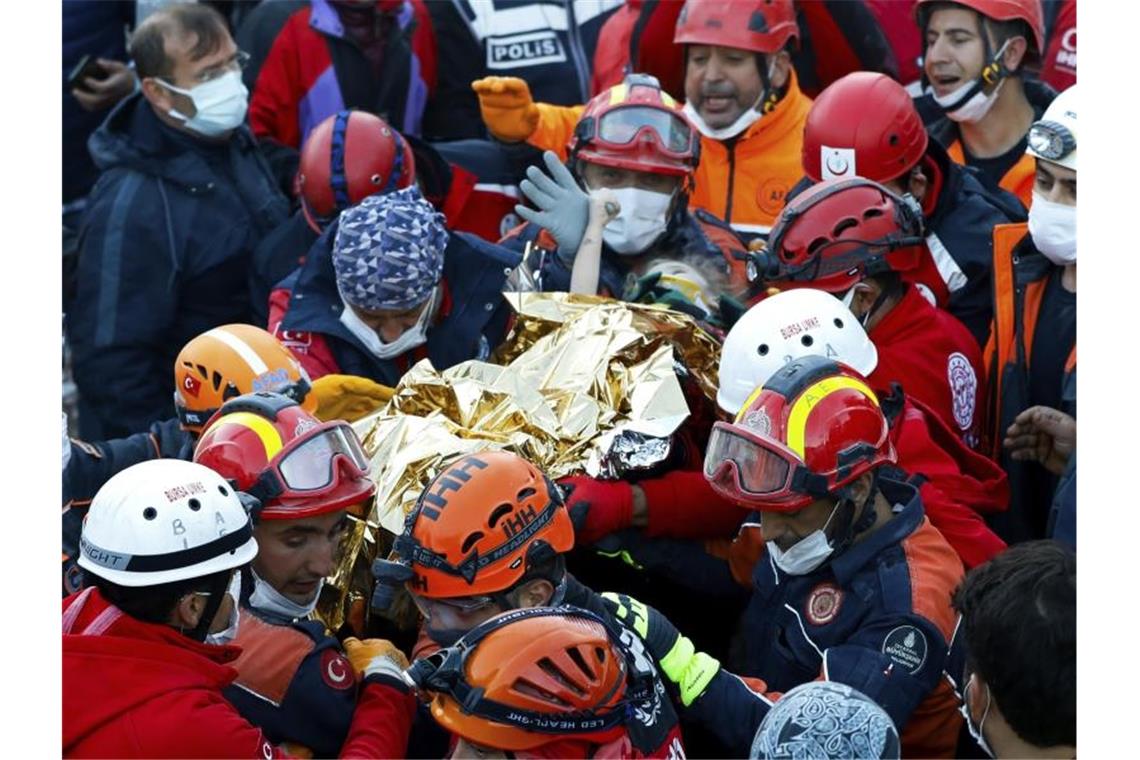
pixel 563 206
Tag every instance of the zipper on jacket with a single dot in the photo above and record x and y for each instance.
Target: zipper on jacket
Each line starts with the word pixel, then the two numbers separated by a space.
pixel 574 42
pixel 730 145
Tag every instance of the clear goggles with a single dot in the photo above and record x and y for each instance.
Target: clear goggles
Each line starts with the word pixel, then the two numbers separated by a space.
pixel 620 126
pixel 1051 140
pixel 456 606
pixel 755 470
pixel 308 465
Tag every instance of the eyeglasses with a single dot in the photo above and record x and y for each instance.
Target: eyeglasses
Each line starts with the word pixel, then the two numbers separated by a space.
pixel 1051 140
pixel 237 63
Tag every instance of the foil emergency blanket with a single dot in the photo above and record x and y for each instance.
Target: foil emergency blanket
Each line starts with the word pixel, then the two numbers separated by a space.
pixel 581 384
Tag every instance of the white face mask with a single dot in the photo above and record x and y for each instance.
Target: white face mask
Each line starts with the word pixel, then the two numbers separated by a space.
pixel 806 554
pixel 268 599
pixel 976 731
pixel 220 105
pixel 66 442
pixel 743 122
pixel 960 105
pixel 1053 227
pixel 643 219
pixel 223 637
pixel 413 337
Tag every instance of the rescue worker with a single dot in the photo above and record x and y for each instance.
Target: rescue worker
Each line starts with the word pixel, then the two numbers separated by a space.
pixel 866 125
pixel 369 157
pixel 1031 357
pixel 825 719
pixel 858 241
pixel 388 285
pixel 294 680
pixel 548 682
pixel 633 142
pixel 741 92
pixel 974 57
pixel 146 646
pixel 218 365
pixel 857 584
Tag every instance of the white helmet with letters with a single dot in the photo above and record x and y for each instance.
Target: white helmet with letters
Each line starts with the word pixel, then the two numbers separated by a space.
pixel 787 326
pixel 162 521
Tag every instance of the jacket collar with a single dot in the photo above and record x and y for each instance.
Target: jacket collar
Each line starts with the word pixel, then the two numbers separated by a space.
pixel 905 315
pixel 892 532
pixel 786 116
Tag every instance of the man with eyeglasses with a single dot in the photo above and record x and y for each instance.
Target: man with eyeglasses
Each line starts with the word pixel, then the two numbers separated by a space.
pixel 183 199
pixel 295 681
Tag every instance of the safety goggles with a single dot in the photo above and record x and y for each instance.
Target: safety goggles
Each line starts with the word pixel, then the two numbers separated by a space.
pixel 758 471
pixel 308 464
pixel 461 605
pixel 619 127
pixel 297 390
pixel 1051 140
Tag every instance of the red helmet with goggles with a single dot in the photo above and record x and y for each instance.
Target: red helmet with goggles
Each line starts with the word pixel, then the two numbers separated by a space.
pixel 814 427
pixel 837 233
pixel 638 126
pixel 297 466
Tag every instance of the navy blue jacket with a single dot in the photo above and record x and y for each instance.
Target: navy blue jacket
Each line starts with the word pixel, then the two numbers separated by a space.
pixel 164 252
pixel 474 272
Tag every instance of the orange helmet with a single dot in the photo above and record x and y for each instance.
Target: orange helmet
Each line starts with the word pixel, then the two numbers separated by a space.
pixel 814 427
pixel 229 361
pixel 762 26
pixel 294 464
pixel 346 158
pixel 534 677
pixel 481 524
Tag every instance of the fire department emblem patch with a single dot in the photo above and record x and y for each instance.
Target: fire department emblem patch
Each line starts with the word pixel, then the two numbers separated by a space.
pixel 823 603
pixel 963 389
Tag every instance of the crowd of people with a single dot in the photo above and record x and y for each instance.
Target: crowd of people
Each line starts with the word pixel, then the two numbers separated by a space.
pixel 863 547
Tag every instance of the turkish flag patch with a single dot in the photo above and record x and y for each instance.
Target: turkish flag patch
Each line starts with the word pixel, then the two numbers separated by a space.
pixel 191 385
pixel 336 670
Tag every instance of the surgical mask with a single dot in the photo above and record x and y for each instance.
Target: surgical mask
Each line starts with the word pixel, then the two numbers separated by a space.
pixel 643 219
pixel 976 731
pixel 1053 227
pixel 743 122
pixel 413 337
pixel 970 103
pixel 226 636
pixel 220 105
pixel 806 554
pixel 265 598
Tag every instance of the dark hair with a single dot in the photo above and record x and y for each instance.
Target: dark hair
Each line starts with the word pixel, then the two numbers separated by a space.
pixel 1019 620
pixel 147 47
pixel 154 604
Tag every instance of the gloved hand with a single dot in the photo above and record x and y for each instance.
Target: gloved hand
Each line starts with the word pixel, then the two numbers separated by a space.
pixel 680 662
pixel 378 657
pixel 507 107
pixel 563 206
pixel 348 397
pixel 597 507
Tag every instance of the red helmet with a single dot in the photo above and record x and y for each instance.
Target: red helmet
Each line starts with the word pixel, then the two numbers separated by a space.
pixel 835 234
pixel 297 466
pixel 536 677
pixel 814 427
pixel 1029 11
pixel 762 26
pixel 348 157
pixel 636 125
pixel 865 125
pixel 481 524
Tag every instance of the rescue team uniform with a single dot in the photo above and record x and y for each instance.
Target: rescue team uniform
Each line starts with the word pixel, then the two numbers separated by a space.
pixel 305 309
pixel 293 682
pixel 137 689
pixel 877 617
pixel 1033 317
pixel 742 180
pixel 935 359
pixel 1013 170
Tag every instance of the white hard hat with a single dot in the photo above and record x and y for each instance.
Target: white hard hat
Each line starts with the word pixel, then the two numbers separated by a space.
pixel 165 520
pixel 787 326
pixel 1054 138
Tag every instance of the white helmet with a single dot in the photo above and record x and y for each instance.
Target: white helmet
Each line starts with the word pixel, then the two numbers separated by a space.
pixel 1054 138
pixel 162 521
pixel 787 326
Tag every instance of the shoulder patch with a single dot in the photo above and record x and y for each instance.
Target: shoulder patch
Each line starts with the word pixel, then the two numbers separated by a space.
pixel 963 389
pixel 907 646
pixel 336 670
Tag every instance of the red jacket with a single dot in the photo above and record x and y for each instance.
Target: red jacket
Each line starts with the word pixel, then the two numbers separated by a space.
pixel 136 689
pixel 936 360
